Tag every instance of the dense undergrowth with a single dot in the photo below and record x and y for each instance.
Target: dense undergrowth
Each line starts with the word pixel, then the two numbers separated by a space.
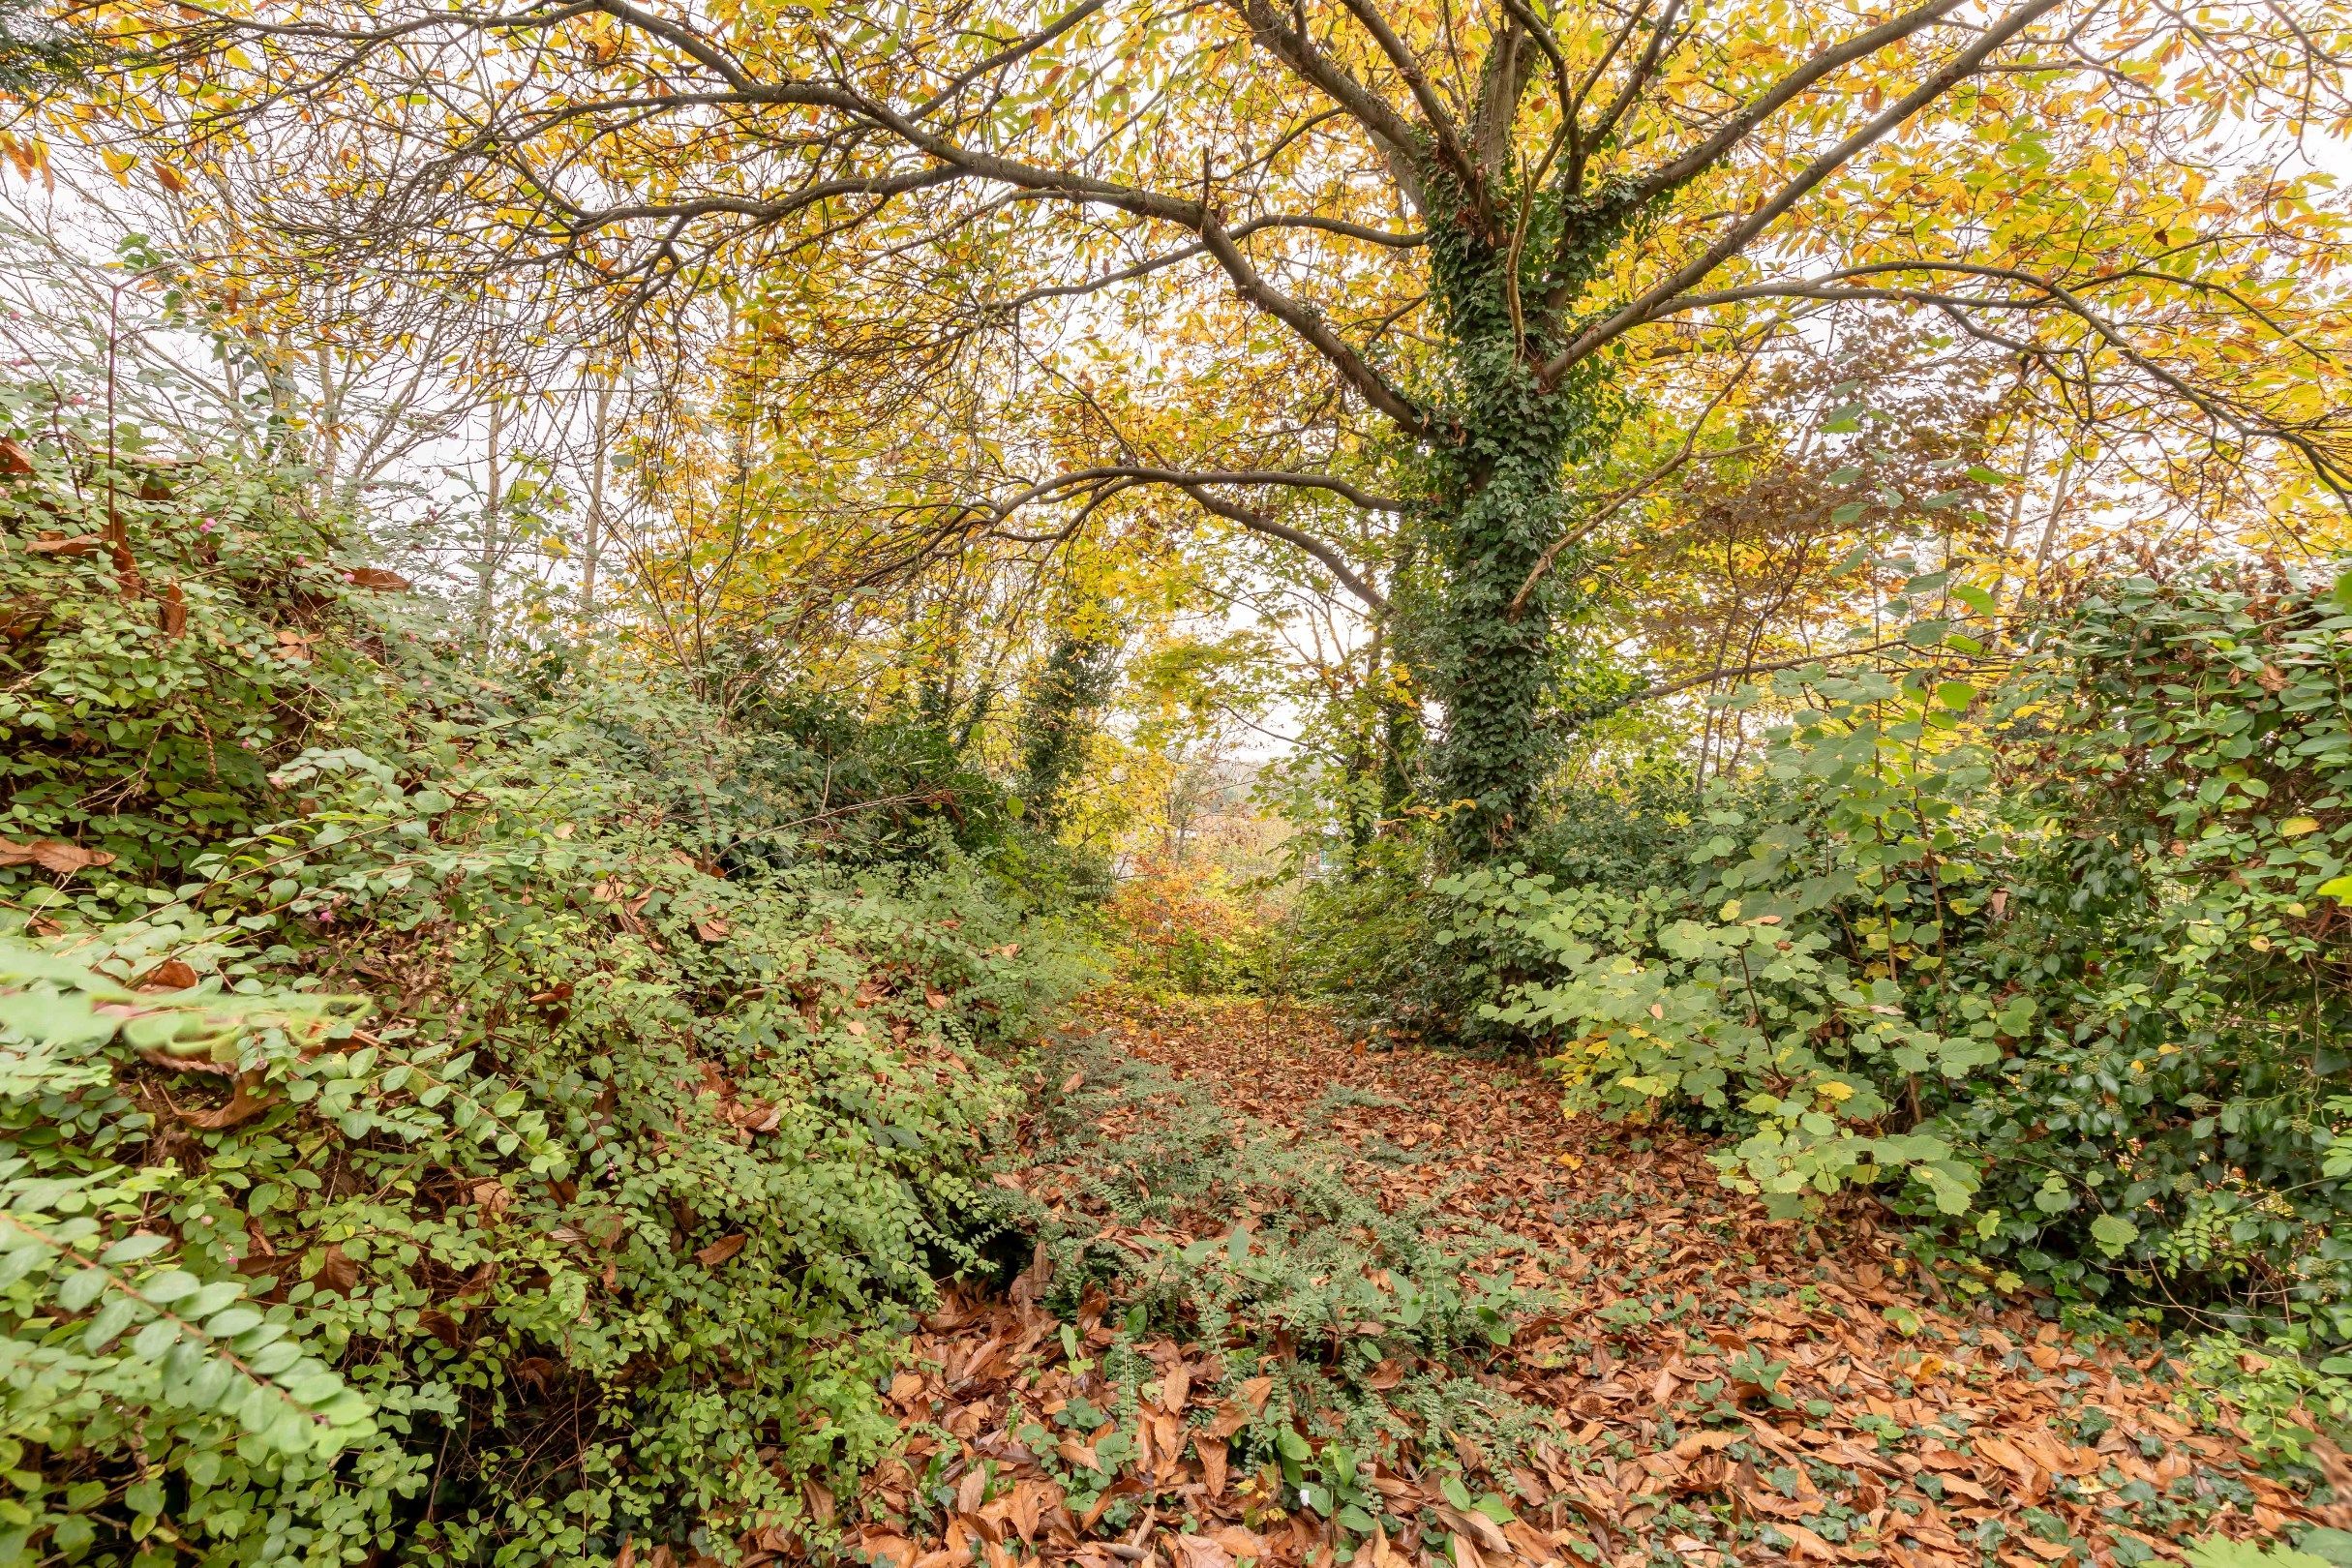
pixel 2048 952
pixel 466 1120
pixel 1149 1199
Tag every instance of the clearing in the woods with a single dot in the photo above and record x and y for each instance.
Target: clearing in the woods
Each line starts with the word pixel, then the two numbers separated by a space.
pixel 1223 1188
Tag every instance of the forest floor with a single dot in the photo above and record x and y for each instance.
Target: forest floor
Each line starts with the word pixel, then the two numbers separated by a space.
pixel 1713 1387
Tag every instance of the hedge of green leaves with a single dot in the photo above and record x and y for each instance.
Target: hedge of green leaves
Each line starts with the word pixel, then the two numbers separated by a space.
pixel 410 1142
pixel 2055 953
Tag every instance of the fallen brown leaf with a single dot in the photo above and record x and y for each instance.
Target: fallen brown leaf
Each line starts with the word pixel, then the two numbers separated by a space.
pixel 721 1249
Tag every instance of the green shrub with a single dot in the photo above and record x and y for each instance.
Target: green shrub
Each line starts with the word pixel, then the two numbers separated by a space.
pixel 2063 951
pixel 415 1139
pixel 146 692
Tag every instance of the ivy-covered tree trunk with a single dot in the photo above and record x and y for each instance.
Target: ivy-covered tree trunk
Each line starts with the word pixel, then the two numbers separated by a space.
pixel 1501 498
pixel 1075 679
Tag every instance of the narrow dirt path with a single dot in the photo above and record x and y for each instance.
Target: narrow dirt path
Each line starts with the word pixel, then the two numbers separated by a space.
pixel 1704 1386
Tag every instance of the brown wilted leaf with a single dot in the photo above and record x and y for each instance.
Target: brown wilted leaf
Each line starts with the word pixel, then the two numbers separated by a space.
pixel 58 544
pixel 336 1271
pixel 721 1249
pixel 377 579
pixel 171 974
pixel 1212 1451
pixel 756 1115
pixel 15 463
pixel 53 854
pixel 714 929
pixel 536 1370
pixel 245 1103
pixel 1807 1543
pixel 1199 1552
pixel 1231 1416
pixel 1705 1442
pixel 1240 1542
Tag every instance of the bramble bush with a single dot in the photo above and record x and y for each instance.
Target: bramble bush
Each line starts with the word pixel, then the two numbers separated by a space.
pixel 413 1136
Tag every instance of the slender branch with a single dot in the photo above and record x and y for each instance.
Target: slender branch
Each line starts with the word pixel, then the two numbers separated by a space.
pixel 1744 122
pixel 1309 324
pixel 1878 127
pixel 1640 486
pixel 1667 688
pixel 1186 253
pixel 1443 130
pixel 1258 521
pixel 1138 473
pixel 1581 141
pixel 1010 53
pixel 2330 469
pixel 1294 49
pixel 1618 503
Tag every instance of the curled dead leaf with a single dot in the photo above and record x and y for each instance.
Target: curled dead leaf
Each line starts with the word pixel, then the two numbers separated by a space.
pixel 58 544
pixel 245 1103
pixel 336 1271
pixel 1806 1543
pixel 53 854
pixel 721 1249
pixel 171 974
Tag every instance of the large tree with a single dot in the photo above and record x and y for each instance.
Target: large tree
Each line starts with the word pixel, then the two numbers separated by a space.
pixel 1363 277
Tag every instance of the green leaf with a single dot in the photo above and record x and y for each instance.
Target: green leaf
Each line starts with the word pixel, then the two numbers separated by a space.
pixel 171 1285
pixel 111 1319
pixel 2113 1233
pixel 55 1019
pixel 80 1289
pixel 131 1249
pixel 234 1321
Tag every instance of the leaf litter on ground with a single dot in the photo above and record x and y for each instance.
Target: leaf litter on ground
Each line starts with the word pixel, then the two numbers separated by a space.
pixel 1291 1300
